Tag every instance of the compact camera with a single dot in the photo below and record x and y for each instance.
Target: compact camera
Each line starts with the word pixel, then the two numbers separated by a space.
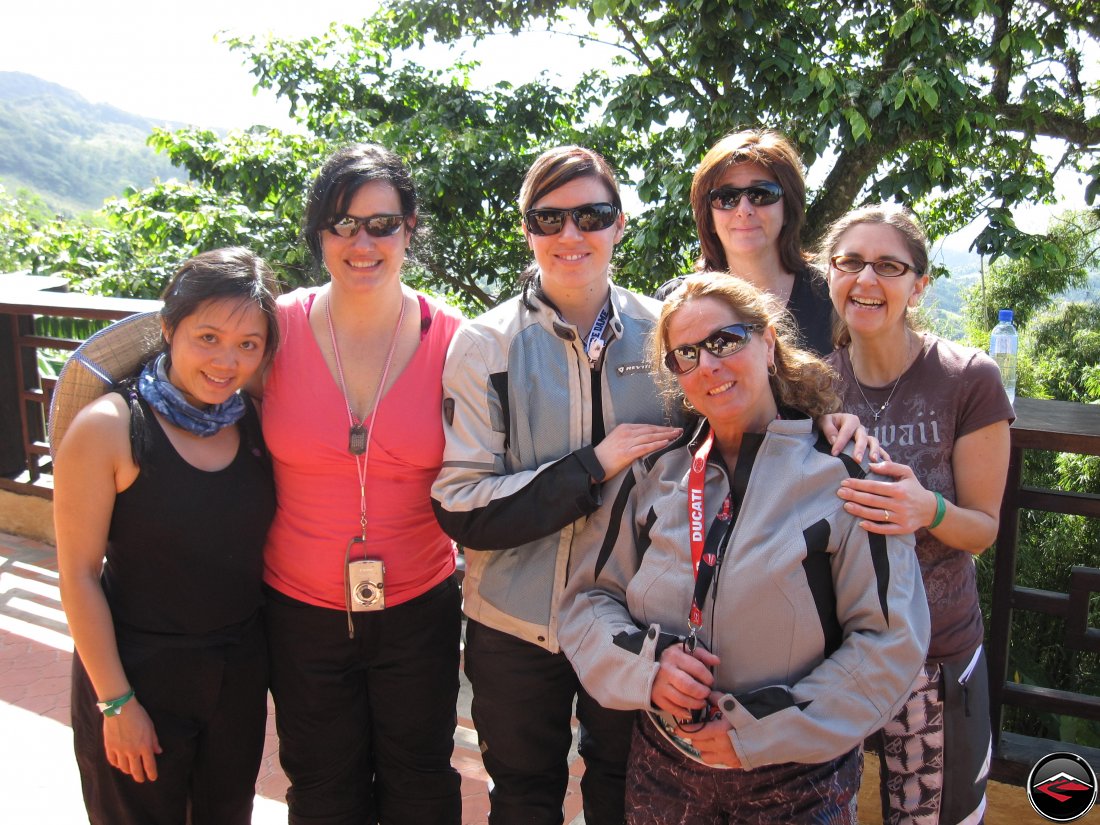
pixel 366 580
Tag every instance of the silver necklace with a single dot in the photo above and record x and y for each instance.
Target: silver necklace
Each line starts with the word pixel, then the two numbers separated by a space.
pixel 877 414
pixel 358 435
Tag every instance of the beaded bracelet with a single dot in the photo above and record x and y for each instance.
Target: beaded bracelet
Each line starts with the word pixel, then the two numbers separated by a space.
pixel 941 511
pixel 113 707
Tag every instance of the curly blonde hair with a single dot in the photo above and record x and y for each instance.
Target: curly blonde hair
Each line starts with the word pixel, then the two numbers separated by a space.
pixel 801 380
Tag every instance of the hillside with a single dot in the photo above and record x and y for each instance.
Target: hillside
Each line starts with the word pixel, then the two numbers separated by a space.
pixel 70 152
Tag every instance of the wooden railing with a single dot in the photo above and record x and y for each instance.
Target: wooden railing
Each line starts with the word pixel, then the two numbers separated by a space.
pixel 1040 425
pixel 24 392
pixel 1063 427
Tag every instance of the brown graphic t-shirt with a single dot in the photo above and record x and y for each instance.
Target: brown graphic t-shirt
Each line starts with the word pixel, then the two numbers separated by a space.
pixel 948 392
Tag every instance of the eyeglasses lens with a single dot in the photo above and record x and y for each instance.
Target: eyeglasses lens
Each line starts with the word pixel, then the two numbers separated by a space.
pixel 592 217
pixel 885 267
pixel 760 194
pixel 377 226
pixel 721 344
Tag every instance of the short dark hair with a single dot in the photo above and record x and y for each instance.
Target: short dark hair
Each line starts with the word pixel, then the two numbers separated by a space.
pixel 556 167
pixel 553 169
pixel 228 273
pixel 343 174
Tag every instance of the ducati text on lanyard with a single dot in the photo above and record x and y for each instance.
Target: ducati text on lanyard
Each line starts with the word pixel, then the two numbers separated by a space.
pixel 702 564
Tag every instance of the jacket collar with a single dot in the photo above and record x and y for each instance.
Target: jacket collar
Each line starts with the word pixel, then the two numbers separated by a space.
pixel 550 319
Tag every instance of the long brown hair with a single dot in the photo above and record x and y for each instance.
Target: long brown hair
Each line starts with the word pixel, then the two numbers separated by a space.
pixel 801 380
pixel 774 152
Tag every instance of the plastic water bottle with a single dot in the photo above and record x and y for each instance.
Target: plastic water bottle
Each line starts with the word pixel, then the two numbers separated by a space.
pixel 1003 343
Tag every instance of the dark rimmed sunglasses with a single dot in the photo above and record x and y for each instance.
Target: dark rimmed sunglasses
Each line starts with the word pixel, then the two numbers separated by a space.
pixel 589 217
pixel 884 266
pixel 377 226
pixel 721 344
pixel 759 194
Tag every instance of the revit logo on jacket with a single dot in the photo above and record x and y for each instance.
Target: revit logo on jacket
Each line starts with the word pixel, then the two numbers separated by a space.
pixel 633 368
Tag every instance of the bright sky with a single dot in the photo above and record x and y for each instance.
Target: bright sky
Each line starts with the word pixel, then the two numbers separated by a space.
pixel 163 61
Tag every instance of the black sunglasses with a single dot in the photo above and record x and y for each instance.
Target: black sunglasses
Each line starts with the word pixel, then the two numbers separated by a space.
pixel 589 217
pixel 377 226
pixel 759 194
pixel 721 344
pixel 884 266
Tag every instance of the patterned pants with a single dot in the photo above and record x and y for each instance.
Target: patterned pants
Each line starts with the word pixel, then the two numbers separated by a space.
pixel 664 787
pixel 934 755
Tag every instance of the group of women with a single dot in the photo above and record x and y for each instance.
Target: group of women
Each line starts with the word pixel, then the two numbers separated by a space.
pixel 655 524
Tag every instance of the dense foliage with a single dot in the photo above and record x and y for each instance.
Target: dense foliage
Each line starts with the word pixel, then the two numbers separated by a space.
pixel 936 104
pixel 1059 359
pixel 939 105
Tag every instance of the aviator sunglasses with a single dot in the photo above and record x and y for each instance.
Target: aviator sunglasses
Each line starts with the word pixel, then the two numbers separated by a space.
pixel 883 267
pixel 759 194
pixel 721 344
pixel 377 226
pixel 590 217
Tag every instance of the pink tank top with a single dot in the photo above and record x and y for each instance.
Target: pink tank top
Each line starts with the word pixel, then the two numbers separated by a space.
pixel 305 425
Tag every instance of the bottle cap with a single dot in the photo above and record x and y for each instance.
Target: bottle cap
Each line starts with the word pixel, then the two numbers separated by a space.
pixel 1005 315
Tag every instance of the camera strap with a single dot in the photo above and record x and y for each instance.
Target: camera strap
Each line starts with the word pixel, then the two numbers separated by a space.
pixel 359 442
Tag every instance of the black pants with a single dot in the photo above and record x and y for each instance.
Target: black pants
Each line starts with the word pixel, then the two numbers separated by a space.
pixel 208 705
pixel 522 706
pixel 366 725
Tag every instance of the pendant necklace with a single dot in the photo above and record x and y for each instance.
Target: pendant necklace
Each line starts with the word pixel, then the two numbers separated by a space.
pixel 358 435
pixel 877 414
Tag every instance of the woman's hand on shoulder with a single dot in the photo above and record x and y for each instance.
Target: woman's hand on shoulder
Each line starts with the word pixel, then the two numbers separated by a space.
pixel 889 507
pixel 628 442
pixel 131 743
pixel 841 428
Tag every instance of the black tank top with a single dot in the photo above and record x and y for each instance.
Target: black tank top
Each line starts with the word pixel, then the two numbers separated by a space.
pixel 185 546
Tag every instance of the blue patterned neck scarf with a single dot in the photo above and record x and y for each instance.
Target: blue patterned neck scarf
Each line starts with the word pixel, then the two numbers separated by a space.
pixel 164 397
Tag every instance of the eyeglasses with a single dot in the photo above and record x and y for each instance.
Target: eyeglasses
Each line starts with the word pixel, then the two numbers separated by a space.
pixel 884 267
pixel 759 194
pixel 590 217
pixel 721 344
pixel 377 226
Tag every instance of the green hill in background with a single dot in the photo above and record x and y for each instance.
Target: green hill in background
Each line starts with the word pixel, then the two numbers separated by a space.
pixel 72 153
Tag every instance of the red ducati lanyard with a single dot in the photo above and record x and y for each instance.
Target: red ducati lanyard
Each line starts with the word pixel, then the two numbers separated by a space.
pixel 702 563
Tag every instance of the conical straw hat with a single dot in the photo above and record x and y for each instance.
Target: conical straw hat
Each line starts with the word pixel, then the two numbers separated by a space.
pixel 111 355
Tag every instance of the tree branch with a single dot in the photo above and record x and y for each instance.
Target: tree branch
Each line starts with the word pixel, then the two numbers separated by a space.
pixel 1088 18
pixel 639 51
pixel 1002 66
pixel 1015 117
